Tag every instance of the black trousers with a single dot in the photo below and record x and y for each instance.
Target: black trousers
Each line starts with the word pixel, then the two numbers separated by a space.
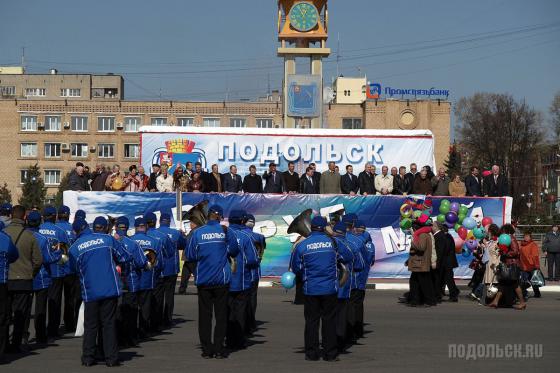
pixel 54 306
pixel 100 316
pixel 41 297
pixel 342 323
pixel 299 298
pixel 448 280
pixel 437 282
pixel 251 320
pixel 20 301
pixel 356 314
pixel 421 288
pixel 237 315
pixel 156 313
pixel 187 271
pixel 320 309
pixel 212 300
pixel 145 307
pixel 128 328
pixel 169 283
pixel 553 260
pixel 525 286
pixel 72 302
pixel 5 308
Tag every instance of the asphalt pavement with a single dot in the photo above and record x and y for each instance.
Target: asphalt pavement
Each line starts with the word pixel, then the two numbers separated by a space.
pixel 398 339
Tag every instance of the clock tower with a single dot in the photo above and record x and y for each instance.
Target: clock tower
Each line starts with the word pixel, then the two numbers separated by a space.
pixel 303 33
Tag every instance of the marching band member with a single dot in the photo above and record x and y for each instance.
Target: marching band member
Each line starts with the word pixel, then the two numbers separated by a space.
pixel 149 277
pixel 170 267
pixel 8 254
pixel 315 258
pixel 58 239
pixel 260 242
pixel 210 247
pixel 95 257
pixel 241 281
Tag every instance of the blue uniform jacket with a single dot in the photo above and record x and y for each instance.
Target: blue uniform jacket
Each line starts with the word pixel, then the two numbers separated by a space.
pixel 94 257
pixel 55 235
pixel 71 238
pixel 210 246
pixel 149 278
pixel 8 254
pixel 247 259
pixel 132 271
pixel 43 280
pixel 257 238
pixel 368 253
pixel 353 266
pixel 167 249
pixel 171 264
pixel 315 260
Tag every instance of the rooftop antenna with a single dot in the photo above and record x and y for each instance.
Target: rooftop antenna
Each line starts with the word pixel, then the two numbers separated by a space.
pixel 23 57
pixel 337 56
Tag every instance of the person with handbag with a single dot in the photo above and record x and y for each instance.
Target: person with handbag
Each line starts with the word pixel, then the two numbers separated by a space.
pixel 491 260
pixel 529 261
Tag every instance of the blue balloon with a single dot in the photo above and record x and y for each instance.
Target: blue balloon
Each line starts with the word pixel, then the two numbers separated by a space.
pixel 469 223
pixel 288 280
pixel 466 252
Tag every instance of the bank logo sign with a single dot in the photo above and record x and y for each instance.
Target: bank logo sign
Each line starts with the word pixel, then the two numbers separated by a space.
pixel 373 92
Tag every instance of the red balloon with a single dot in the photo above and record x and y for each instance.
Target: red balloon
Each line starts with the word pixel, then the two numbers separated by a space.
pixel 487 221
pixel 462 232
pixel 459 242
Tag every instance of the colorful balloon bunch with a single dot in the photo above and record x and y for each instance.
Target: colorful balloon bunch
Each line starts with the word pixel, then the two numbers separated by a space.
pixel 413 209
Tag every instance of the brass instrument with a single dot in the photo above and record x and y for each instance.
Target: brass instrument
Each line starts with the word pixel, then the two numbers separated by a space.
pixel 117 183
pixel 260 249
pixel 301 225
pixel 151 256
pixel 61 246
pixel 198 214
pixel 343 274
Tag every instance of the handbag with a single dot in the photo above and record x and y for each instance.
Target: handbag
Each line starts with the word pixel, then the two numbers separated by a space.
pixel 491 290
pixel 509 273
pixel 537 278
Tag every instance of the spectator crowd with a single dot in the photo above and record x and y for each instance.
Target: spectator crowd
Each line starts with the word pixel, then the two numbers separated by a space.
pixel 391 181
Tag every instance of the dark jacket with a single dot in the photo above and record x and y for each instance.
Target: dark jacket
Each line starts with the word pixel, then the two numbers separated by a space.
pixel 78 182
pixel 349 183
pixel 367 183
pixel 291 182
pixel 152 184
pixel 205 177
pixel 422 186
pixel 445 249
pixel 232 183
pixel 401 185
pixel 495 189
pixel 551 243
pixel 273 184
pixel 212 185
pixel 305 186
pixel 473 186
pixel 98 180
pixel 30 256
pixel 411 178
pixel 252 184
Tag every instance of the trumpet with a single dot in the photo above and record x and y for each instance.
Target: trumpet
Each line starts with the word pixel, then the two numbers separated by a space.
pixel 151 256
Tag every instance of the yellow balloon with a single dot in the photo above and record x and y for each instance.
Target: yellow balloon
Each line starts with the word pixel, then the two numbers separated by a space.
pixel 470 236
pixel 117 184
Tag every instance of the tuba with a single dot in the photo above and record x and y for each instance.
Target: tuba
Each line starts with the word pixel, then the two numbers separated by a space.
pixel 198 214
pixel 151 256
pixel 301 225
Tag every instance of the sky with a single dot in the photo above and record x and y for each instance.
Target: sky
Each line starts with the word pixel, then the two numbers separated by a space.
pixel 216 50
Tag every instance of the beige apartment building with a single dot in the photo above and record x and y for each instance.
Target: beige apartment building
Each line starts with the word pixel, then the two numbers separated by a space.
pixel 58 129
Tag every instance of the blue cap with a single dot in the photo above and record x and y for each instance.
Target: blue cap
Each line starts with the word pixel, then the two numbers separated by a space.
pixel 164 217
pixel 216 210
pixel 250 217
pixel 6 208
pixel 236 216
pixel 64 210
pixel 79 225
pixel 150 217
pixel 359 224
pixel 123 220
pixel 318 223
pixel 100 221
pixel 34 217
pixel 340 227
pixel 80 214
pixel 49 211
pixel 139 221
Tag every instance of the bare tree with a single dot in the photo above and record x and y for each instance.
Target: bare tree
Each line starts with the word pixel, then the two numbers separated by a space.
pixel 497 129
pixel 555 115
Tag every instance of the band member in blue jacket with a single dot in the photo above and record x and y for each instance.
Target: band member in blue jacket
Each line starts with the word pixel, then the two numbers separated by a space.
pixel 260 243
pixel 42 280
pixel 130 275
pixel 241 280
pixel 148 278
pixel 170 267
pixel 57 239
pixel 210 246
pixel 315 258
pixel 95 257
pixel 8 254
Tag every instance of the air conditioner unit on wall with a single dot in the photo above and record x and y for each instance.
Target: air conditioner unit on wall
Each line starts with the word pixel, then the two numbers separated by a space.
pixel 65 146
pixel 120 126
pixel 41 126
pixel 92 148
pixel 66 125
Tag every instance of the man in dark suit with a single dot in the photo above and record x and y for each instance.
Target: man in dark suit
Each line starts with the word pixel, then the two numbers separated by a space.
pixel 472 183
pixel 366 180
pixel 252 183
pixel 316 176
pixel 156 171
pixel 495 185
pixel 232 181
pixel 412 175
pixel 291 179
pixel 307 184
pixel 273 180
pixel 442 275
pixel 204 176
pixel 349 182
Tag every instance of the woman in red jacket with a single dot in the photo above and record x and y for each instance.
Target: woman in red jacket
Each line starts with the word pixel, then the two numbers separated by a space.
pixel 529 260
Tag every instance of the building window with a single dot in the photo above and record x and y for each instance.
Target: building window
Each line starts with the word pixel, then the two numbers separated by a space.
pixel 131 151
pixel 132 124
pixel 159 121
pixel 265 123
pixel 211 122
pixel 29 92
pixel 106 150
pixel 79 150
pixel 70 92
pixel 28 149
pixel 106 124
pixel 8 90
pixel 79 124
pixel 238 122
pixel 23 176
pixel 185 122
pixel 52 123
pixel 29 123
pixel 52 150
pixel 52 177
pixel 352 123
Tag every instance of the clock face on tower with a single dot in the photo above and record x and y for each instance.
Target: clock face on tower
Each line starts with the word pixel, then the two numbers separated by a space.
pixel 304 16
